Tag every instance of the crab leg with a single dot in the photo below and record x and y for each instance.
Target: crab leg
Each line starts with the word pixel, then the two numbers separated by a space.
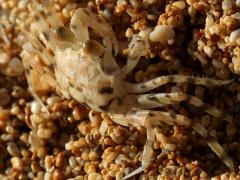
pixel 47 25
pixel 148 101
pixel 148 119
pixel 79 28
pixel 162 80
pixel 51 16
pixel 140 118
pixel 41 30
pixel 25 56
pixel 4 35
pixel 215 146
pixel 138 47
pixel 38 48
pixel 45 7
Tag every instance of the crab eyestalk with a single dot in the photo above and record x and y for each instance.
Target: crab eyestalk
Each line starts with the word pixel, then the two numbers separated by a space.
pixel 93 48
pixel 64 34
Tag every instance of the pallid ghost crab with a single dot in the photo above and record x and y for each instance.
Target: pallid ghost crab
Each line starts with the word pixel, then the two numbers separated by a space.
pixel 82 66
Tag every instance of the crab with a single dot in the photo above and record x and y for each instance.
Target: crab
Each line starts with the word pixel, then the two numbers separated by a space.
pixel 79 62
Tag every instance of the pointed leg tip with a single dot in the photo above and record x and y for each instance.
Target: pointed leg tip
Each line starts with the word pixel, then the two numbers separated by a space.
pixel 135 172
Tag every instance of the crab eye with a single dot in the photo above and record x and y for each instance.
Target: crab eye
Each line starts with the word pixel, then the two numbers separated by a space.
pixel 93 48
pixel 64 34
